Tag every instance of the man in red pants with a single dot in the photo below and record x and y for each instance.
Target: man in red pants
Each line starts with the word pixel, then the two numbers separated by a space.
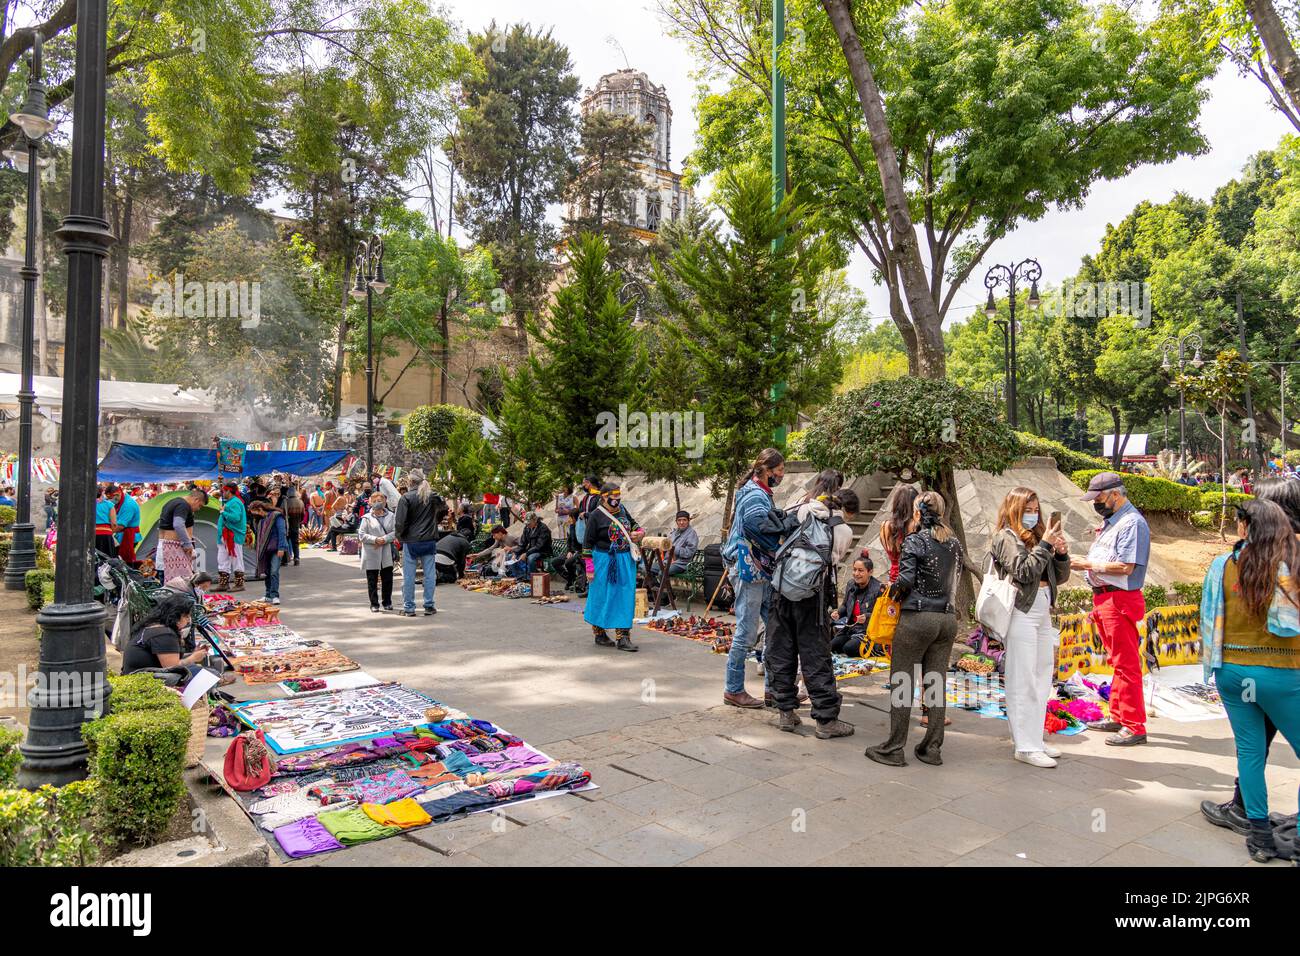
pixel 1116 568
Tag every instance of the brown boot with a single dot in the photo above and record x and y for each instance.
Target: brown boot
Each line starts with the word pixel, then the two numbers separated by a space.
pixel 742 699
pixel 223 580
pixel 602 638
pixel 239 581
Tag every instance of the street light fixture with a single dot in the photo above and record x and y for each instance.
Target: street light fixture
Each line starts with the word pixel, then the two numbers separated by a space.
pixel 34 121
pixel 71 687
pixel 369 283
pixel 1180 346
pixel 1008 275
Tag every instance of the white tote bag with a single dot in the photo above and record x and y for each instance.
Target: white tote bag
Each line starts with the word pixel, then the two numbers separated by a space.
pixel 995 601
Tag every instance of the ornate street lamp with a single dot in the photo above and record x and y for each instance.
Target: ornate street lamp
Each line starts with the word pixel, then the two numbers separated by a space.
pixel 369 282
pixel 1008 275
pixel 34 120
pixel 1181 346
pixel 71 687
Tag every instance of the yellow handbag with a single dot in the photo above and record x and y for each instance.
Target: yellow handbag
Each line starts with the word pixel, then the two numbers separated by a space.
pixel 884 619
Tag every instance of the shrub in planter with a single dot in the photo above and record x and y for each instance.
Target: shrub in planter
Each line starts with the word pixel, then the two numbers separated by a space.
pixel 1187 592
pixel 10 758
pixel 137 758
pixel 44 557
pixel 1067 460
pixel 133 692
pixel 48 827
pixel 1150 494
pixel 35 582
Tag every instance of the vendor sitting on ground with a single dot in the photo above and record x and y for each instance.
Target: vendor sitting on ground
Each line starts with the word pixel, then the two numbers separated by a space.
pixel 534 547
pixel 491 560
pixel 193 587
pixel 453 551
pixel 851 617
pixel 158 642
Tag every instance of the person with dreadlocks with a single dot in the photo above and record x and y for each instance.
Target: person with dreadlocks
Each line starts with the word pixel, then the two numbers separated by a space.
pixel 1250 645
pixel 611 599
pixel 416 525
pixel 232 527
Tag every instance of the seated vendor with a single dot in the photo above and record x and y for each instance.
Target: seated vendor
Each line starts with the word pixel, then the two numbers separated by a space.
pixel 491 560
pixel 851 617
pixel 686 541
pixel 159 640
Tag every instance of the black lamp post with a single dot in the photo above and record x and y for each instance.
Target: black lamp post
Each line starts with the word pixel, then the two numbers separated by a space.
pixel 1181 345
pixel 1006 353
pixel 70 684
pixel 34 120
pixel 1008 275
pixel 370 280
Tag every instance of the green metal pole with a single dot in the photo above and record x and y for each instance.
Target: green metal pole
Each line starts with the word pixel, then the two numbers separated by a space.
pixel 778 156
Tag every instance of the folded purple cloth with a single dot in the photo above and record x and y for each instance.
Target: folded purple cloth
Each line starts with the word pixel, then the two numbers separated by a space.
pixel 305 837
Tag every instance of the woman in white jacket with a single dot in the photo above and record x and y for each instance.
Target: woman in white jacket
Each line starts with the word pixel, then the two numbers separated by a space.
pixel 377 536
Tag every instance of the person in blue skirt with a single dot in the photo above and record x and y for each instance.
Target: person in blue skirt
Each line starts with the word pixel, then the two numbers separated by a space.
pixel 611 598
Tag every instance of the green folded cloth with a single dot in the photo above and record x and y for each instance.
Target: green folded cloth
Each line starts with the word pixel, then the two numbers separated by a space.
pixel 351 827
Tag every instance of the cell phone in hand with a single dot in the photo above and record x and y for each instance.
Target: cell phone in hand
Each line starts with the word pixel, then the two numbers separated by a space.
pixel 1054 522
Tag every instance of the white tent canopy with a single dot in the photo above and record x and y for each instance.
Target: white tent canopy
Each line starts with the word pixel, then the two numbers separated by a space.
pixel 1136 445
pixel 141 398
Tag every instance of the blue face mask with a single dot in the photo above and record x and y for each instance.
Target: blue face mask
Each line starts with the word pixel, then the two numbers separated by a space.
pixel 1030 521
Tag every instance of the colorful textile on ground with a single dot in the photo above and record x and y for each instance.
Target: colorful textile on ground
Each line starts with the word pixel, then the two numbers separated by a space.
pixel 352 826
pixel 393 785
pixel 846 668
pixel 305 837
pixel 705 630
pixel 402 814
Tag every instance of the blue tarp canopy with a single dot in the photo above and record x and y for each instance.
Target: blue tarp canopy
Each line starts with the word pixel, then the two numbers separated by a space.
pixel 149 464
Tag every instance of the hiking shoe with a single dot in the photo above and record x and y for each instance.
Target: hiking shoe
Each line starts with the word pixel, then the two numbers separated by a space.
pixel 1230 815
pixel 430 611
pixel 1035 758
pixel 826 729
pixel 789 722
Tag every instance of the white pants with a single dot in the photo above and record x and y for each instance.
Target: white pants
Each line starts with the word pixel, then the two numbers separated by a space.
pixel 228 563
pixel 1031 642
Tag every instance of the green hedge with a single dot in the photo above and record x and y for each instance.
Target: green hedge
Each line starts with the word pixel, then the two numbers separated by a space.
pixel 10 758
pixel 1155 595
pixel 1073 600
pixel 1067 460
pixel 137 758
pixel 44 559
pixel 36 582
pixel 1187 592
pixel 49 826
pixel 8 514
pixel 1150 494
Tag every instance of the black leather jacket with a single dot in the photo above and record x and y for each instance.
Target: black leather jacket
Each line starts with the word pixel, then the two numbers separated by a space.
pixel 417 520
pixel 927 573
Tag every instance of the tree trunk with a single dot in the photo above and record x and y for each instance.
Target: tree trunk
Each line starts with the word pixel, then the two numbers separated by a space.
pixel 445 350
pixel 1277 44
pixel 906 251
pixel 677 495
pixel 1115 450
pixel 732 478
pixel 124 254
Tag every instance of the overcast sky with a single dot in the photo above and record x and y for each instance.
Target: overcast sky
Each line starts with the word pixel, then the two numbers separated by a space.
pixel 1237 121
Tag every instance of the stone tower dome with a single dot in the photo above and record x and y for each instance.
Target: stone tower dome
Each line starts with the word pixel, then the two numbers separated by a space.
pixel 631 93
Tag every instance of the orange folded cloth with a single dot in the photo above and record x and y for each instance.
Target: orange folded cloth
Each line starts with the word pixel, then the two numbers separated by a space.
pixel 400 813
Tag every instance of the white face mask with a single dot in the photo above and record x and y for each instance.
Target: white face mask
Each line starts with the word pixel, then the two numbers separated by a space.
pixel 1029 520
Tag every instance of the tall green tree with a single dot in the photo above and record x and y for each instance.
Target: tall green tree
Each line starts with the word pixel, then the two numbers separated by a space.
pixel 604 187
pixel 745 305
pixel 513 150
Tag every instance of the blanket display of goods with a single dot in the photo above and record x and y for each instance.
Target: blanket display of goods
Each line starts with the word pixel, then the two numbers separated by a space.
pixel 501 587
pixel 986 695
pixel 292 665
pixel 846 668
pixel 553 599
pixel 1169 634
pixel 346 767
pixel 706 630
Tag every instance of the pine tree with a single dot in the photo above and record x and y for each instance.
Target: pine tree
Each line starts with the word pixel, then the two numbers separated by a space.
pixel 603 191
pixel 747 315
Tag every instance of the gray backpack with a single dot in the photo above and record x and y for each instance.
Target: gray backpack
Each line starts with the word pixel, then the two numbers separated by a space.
pixel 803 560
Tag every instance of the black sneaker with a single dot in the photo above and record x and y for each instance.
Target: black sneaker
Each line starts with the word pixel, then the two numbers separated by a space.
pixel 1229 815
pixel 430 611
pixel 374 608
pixel 408 613
pixel 388 607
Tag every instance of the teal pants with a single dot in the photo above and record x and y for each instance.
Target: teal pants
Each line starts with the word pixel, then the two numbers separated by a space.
pixel 1250 694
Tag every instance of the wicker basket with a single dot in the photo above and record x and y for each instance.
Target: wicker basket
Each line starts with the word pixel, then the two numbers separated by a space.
pixel 198 741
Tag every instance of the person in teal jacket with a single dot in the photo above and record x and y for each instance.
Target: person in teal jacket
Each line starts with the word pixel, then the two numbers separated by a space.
pixel 232 526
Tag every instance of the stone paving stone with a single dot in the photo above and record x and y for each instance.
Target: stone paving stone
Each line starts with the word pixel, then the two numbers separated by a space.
pixel 709 782
pixel 986 857
pixel 712 748
pixel 1114 819
pixel 948 830
pixel 536 845
pixel 887 848
pixel 586 858
pixel 1002 813
pixel 459 836
pixel 806 837
pixel 651 845
pixel 1135 854
pixel 590 824
pixel 1202 846
pixel 819 787
pixel 891 803
pixel 733 854
pixel 536 810
pixel 657 764
pixel 1049 846
pixel 659 800
pixel 728 818
pixel 763 764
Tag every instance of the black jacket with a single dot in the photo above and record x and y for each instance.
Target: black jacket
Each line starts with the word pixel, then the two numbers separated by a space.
pixel 456 547
pixel 598 526
pixel 418 520
pixel 927 573
pixel 867 595
pixel 535 541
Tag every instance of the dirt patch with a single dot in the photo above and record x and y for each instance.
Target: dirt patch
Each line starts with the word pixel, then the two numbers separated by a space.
pixel 20 651
pixel 1186 549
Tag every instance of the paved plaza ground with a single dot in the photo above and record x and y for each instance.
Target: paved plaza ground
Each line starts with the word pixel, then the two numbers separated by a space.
pixel 685 780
